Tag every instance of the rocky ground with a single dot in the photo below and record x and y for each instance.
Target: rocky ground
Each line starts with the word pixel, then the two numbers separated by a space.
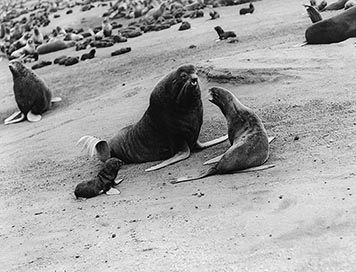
pixel 298 216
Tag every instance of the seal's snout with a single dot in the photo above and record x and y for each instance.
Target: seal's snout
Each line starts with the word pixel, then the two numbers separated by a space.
pixel 194 80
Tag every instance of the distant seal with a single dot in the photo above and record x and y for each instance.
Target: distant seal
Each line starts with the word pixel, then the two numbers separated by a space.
pixel 223 35
pixel 247 135
pixel 250 10
pixel 102 183
pixel 168 130
pixel 89 55
pixel 53 46
pixel 340 4
pixel 335 29
pixel 350 4
pixel 32 95
pixel 214 14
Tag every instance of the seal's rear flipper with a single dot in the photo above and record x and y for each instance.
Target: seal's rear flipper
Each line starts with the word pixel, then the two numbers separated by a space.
pixel 33 117
pixel 95 146
pixel 118 181
pixel 181 155
pixel 301 45
pixel 257 168
pixel 56 99
pixel 212 142
pixel 113 191
pixel 11 119
pixel 218 158
pixel 214 160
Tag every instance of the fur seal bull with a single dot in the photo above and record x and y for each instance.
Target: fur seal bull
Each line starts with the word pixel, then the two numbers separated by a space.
pixel 102 183
pixel 168 130
pixel 335 29
pixel 249 142
pixel 32 95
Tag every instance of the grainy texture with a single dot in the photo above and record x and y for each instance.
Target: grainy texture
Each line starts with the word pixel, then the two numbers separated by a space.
pixel 298 216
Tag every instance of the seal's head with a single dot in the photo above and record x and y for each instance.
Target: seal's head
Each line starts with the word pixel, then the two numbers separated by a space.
pixel 17 68
pixel 219 30
pixel 111 167
pixel 220 97
pixel 185 85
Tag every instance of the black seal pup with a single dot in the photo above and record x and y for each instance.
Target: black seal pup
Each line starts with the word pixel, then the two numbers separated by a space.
pixel 102 183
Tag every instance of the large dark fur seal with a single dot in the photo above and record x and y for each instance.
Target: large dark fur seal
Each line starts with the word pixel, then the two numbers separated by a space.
pixel 335 29
pixel 169 128
pixel 102 183
pixel 32 95
pixel 247 135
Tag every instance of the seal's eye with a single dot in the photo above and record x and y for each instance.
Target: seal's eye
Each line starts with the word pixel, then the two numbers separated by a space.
pixel 184 76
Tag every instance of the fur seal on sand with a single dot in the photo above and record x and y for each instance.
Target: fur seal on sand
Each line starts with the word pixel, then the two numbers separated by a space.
pixel 223 35
pixel 350 4
pixel 335 29
pixel 168 130
pixel 54 46
pixel 340 4
pixel 250 10
pixel 32 95
pixel 247 135
pixel 102 183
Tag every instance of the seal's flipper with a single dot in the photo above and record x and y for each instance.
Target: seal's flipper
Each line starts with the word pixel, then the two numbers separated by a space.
pixel 11 119
pixel 271 139
pixel 113 191
pixel 95 146
pixel 202 174
pixel 56 99
pixel 181 155
pixel 219 140
pixel 118 181
pixel 257 168
pixel 214 160
pixel 218 158
pixel 33 117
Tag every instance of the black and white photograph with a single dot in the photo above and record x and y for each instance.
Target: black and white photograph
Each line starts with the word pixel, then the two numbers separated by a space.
pixel 177 135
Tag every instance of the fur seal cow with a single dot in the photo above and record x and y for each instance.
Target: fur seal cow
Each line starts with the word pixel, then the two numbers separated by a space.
pixel 249 142
pixel 32 95
pixel 103 182
pixel 335 29
pixel 53 46
pixel 168 130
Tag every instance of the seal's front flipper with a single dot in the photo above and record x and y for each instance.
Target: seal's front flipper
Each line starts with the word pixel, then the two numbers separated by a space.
pixel 14 118
pixel 33 117
pixel 181 155
pixel 95 146
pixel 214 160
pixel 271 139
pixel 118 181
pixel 200 145
pixel 257 168
pixel 113 191
pixel 56 99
